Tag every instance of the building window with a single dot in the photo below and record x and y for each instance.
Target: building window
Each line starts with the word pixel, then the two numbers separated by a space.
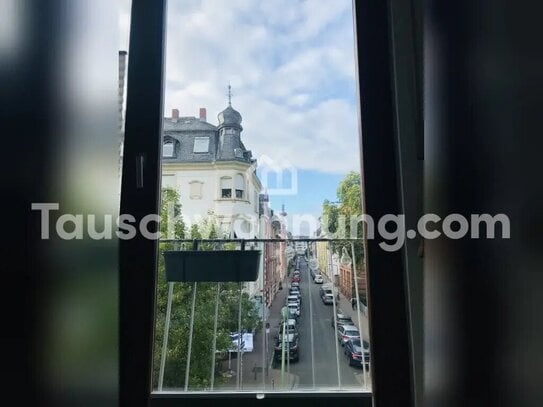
pixel 240 186
pixel 201 144
pixel 195 189
pixel 167 149
pixel 226 187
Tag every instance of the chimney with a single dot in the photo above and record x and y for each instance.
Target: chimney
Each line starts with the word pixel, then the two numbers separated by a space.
pixel 203 114
pixel 175 113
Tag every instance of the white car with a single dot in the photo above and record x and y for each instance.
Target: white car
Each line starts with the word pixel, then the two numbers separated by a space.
pixel 293 298
pixel 294 308
pixel 347 332
pixel 318 279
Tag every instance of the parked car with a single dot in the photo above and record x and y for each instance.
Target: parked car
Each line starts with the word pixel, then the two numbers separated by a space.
pixel 327 299
pixel 290 326
pixel 295 284
pixel 353 350
pixel 296 279
pixel 294 308
pixel 294 298
pixel 326 289
pixel 318 279
pixel 292 314
pixel 296 292
pixel 342 319
pixel 291 343
pixel 346 332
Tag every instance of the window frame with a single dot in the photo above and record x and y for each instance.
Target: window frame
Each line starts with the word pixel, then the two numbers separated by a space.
pixel 140 196
pixel 222 190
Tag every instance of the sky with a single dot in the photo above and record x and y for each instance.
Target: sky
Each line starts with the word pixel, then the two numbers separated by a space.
pixel 291 67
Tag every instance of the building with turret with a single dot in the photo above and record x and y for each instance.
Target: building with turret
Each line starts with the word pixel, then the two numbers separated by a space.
pixel 213 171
pixel 215 175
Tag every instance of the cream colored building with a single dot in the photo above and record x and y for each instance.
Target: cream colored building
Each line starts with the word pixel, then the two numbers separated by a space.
pixel 214 173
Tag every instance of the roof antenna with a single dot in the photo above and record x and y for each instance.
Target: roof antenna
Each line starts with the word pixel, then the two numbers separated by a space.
pixel 229 94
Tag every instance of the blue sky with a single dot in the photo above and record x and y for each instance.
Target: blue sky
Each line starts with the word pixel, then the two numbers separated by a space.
pixel 313 188
pixel 292 71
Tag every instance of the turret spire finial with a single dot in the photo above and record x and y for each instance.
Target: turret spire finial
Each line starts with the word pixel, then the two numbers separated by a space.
pixel 229 94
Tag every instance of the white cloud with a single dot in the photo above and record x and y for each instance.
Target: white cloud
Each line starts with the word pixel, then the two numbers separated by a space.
pixel 291 66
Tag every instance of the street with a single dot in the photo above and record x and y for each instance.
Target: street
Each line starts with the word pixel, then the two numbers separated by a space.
pixel 317 372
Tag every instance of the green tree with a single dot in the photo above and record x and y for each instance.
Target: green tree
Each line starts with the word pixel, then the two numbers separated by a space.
pixel 171 222
pixel 336 217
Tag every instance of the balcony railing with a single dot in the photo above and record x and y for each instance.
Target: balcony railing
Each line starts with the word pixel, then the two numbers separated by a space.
pixel 220 336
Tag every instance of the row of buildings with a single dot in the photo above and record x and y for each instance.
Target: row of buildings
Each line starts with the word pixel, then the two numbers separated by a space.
pixel 338 267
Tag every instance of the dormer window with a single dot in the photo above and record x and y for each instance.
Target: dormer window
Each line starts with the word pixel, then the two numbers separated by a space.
pixel 201 145
pixel 167 149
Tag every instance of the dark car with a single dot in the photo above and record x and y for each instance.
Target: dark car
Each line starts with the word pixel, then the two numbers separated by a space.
pixel 327 299
pixel 291 343
pixel 353 350
pixel 342 319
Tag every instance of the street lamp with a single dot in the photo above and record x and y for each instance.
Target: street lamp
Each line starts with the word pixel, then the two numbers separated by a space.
pixel 335 273
pixel 284 316
pixel 267 346
pixel 345 260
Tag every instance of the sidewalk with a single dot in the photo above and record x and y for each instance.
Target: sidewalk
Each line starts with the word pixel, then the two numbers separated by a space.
pixel 252 361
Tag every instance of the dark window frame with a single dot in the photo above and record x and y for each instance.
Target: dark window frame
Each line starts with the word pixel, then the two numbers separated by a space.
pixel 140 194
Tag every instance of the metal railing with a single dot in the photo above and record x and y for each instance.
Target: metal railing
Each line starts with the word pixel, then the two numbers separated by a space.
pixel 265 317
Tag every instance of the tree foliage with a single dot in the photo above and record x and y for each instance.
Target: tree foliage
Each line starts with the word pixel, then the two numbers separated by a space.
pixel 337 216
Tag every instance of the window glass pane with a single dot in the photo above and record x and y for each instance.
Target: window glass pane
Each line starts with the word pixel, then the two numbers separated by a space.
pixel 278 126
pixel 201 144
pixel 167 149
pixel 240 182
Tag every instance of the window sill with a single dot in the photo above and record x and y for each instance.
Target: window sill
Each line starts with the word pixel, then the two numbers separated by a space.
pixel 233 200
